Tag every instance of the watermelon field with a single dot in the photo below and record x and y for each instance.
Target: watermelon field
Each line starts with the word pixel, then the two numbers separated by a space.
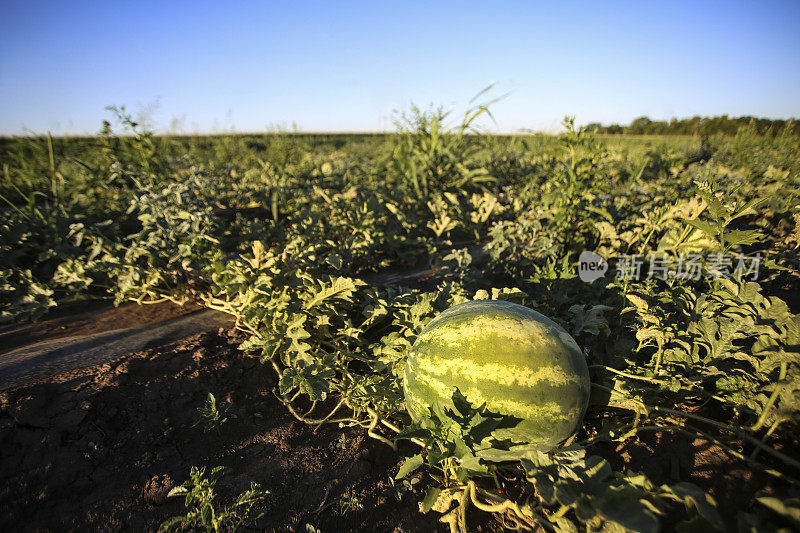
pixel 659 280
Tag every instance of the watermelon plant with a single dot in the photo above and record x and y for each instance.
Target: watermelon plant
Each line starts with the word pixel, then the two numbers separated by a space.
pixel 505 413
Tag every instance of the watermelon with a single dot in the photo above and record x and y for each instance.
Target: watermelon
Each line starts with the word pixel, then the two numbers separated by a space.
pixel 509 359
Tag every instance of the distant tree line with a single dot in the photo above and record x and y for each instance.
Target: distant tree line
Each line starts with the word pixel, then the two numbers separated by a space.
pixel 698 125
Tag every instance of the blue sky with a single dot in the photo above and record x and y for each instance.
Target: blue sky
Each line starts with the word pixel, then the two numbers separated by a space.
pixel 345 66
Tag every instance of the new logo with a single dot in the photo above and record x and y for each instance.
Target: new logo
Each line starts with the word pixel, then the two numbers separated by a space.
pixel 591 266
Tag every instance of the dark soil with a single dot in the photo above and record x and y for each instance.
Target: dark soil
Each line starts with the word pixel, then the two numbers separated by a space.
pixel 101 448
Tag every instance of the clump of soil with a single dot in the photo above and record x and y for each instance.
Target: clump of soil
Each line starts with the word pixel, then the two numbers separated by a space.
pixel 101 448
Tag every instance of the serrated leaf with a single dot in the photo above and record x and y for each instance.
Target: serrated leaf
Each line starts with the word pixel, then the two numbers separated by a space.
pixel 461 404
pixel 409 466
pixel 591 321
pixel 771 264
pixel 340 288
pixel 171 523
pixel 748 208
pixel 704 226
pixel 313 380
pixel 742 237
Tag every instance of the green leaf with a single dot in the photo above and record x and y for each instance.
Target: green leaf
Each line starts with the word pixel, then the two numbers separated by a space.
pixel 748 208
pixel 789 508
pixel 771 264
pixel 411 432
pixel 342 288
pixel 596 470
pixel 207 514
pixel 462 405
pixel 640 303
pixel 335 260
pixel 565 525
pixel 313 380
pixel 409 466
pixel 715 207
pixel 705 504
pixel 180 490
pixel 473 464
pixel 602 212
pixel 704 226
pixel 622 506
pixel 591 321
pixel 742 237
pixel 430 499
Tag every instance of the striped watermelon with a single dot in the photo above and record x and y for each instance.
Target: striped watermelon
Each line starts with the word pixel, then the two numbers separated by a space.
pixel 515 360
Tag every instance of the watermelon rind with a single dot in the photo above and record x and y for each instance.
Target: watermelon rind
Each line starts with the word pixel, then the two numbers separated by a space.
pixel 508 359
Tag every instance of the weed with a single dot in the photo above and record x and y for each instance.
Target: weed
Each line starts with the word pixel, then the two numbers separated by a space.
pixel 203 510
pixel 210 415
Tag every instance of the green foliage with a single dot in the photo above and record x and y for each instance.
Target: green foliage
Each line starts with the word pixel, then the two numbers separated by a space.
pixel 308 241
pixel 432 155
pixel 139 156
pixel 454 438
pixel 570 481
pixel 398 487
pixel 721 215
pixel 22 297
pixel 350 502
pixel 698 125
pixel 204 510
pixel 210 415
